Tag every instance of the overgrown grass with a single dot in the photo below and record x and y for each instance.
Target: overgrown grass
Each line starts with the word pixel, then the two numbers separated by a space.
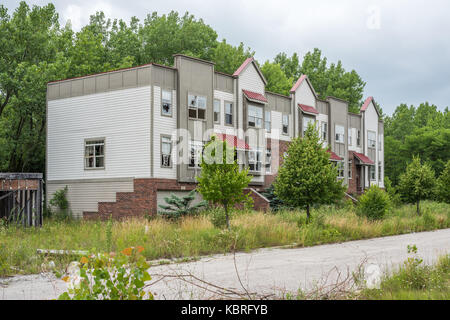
pixel 195 236
pixel 414 281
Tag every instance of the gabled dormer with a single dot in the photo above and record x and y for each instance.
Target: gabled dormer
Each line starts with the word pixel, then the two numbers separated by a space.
pixel 304 104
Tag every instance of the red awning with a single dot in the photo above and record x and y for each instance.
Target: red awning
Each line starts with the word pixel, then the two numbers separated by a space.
pixel 308 109
pixel 255 96
pixel 233 141
pixel 334 156
pixel 363 158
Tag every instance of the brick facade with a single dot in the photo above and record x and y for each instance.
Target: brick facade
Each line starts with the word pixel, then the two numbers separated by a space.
pixel 143 200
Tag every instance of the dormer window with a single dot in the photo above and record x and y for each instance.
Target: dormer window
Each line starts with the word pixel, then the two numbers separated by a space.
pixel 255 116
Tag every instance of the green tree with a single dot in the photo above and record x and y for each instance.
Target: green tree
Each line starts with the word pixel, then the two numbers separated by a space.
pixel 221 181
pixel 443 184
pixel 417 182
pixel 307 176
pixel 228 58
pixel 290 66
pixel 276 79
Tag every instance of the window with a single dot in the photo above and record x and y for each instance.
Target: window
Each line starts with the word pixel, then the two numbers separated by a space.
pixel 166 103
pixel 349 136
pixel 197 107
pixel 371 139
pixel 268 160
pixel 379 171
pixel 340 136
pixel 267 121
pixel 255 116
pixel 254 160
pixel 350 169
pixel 324 132
pixel 285 124
pixel 216 111
pixel 166 152
pixel 94 154
pixel 228 113
pixel 196 150
pixel 306 122
pixel 372 173
pixel 340 167
pixel 358 138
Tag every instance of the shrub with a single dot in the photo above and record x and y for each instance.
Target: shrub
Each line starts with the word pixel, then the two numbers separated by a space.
pixel 218 218
pixel 443 185
pixel 374 204
pixel 60 202
pixel 178 207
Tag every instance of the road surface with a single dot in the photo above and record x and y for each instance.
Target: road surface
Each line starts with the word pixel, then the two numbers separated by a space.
pixel 265 271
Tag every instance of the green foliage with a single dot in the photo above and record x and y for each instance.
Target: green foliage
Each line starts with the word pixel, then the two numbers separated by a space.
pixel 218 218
pixel 110 277
pixel 221 181
pixel 307 176
pixel 60 202
pixel 392 192
pixel 417 183
pixel 178 207
pixel 229 58
pixel 108 232
pixel 374 203
pixel 276 79
pixel 275 202
pixel 443 184
pixel 410 131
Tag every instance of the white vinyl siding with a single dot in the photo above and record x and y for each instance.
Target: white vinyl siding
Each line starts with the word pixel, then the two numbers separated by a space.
pixel 121 117
pixel 163 126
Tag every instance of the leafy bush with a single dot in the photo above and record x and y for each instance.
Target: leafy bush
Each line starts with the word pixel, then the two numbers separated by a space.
pixel 178 207
pixel 218 218
pixel 110 277
pixel 60 202
pixel 276 203
pixel 374 203
pixel 443 185
pixel 392 192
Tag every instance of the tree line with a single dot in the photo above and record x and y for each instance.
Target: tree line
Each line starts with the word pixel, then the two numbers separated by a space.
pixel 36 49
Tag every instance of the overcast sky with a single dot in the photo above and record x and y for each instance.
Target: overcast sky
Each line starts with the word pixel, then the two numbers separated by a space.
pixel 400 48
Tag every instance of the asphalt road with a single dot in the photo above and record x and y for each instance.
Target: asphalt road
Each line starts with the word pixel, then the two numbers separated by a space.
pixel 265 271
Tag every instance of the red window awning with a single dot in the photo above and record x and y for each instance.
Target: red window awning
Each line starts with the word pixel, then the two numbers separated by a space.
pixel 334 156
pixel 364 159
pixel 308 109
pixel 233 141
pixel 258 97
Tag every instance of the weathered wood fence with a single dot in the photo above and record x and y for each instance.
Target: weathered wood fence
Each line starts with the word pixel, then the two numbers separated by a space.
pixel 21 198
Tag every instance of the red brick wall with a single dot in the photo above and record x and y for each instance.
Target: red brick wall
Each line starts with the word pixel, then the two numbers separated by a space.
pixel 143 200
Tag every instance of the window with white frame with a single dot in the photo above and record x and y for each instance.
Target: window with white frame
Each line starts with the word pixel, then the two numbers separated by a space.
pixel 268 161
pixel 285 124
pixel 371 139
pixel 216 111
pixel 350 168
pixel 340 133
pixel 166 103
pixel 254 159
pixel 196 150
pixel 197 107
pixel 228 113
pixel 372 173
pixel 324 131
pixel 306 122
pixel 349 136
pixel 358 138
pixel 267 121
pixel 94 154
pixel 341 169
pixel 254 116
pixel 166 151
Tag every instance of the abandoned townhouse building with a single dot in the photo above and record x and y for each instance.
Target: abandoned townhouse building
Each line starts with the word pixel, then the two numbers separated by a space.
pixel 114 138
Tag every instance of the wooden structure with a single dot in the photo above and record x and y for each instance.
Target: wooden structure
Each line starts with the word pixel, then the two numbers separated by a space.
pixel 21 198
